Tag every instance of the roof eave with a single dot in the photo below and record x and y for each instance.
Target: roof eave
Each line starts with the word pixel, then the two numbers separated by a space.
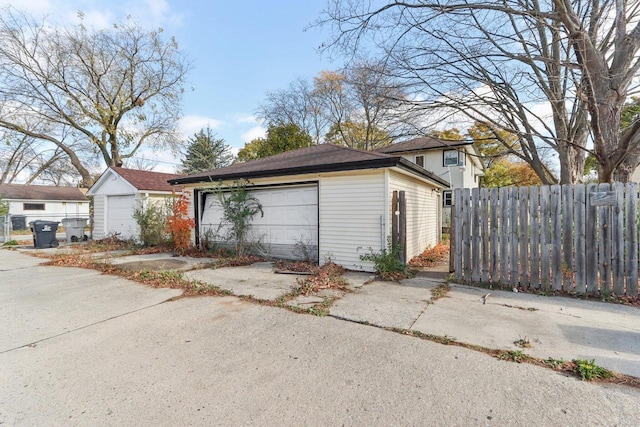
pixel 412 167
pixel 336 167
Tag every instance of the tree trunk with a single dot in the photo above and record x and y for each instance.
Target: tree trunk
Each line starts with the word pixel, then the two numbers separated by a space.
pixel 572 161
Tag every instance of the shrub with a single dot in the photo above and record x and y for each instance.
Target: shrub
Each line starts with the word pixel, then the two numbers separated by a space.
pixel 151 219
pixel 179 225
pixel 387 263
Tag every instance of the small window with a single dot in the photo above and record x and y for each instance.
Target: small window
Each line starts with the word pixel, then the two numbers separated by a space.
pixel 451 158
pixel 33 206
pixel 447 198
pixel 419 160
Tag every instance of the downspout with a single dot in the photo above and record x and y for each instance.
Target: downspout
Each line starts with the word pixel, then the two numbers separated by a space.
pixel 384 219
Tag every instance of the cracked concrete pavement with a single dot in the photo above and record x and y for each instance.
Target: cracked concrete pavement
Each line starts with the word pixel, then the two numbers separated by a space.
pixel 111 353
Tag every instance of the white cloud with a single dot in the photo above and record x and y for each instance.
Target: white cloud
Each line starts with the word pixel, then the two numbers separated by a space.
pixel 192 124
pixel 248 119
pixel 35 7
pixel 253 133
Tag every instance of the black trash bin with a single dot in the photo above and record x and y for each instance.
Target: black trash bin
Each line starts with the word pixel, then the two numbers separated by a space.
pixel 44 234
pixel 18 222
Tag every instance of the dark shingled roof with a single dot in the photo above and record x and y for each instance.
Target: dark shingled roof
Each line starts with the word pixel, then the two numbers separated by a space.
pixel 41 192
pixel 146 180
pixel 421 143
pixel 314 159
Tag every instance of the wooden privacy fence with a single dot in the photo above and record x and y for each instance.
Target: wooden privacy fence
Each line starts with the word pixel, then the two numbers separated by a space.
pixel 577 238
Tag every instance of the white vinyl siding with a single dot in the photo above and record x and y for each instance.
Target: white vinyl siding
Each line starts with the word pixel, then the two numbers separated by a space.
pixel 99 225
pixel 422 212
pixel 351 208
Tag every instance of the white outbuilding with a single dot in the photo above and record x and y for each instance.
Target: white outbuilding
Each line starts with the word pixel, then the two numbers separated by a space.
pixel 118 192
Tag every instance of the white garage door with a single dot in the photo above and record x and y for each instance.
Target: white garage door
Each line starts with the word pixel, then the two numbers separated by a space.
pixel 120 216
pixel 290 219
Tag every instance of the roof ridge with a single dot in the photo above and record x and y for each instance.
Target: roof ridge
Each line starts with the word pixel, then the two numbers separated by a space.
pixel 357 150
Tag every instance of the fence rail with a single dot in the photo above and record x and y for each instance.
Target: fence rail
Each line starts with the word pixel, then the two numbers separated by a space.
pixel 577 238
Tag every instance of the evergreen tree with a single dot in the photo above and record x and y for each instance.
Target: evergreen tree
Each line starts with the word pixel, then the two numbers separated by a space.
pixel 205 152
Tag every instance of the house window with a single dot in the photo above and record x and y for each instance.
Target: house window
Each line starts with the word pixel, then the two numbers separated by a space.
pixel 447 198
pixel 33 206
pixel 419 160
pixel 453 158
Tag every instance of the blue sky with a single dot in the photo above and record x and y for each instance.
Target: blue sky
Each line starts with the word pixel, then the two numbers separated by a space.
pixel 240 50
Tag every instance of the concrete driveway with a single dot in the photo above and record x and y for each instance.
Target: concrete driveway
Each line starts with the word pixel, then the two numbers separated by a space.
pixel 127 357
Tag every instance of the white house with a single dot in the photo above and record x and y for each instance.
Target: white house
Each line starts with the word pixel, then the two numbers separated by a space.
pixel 456 161
pixel 118 192
pixel 335 200
pixel 40 202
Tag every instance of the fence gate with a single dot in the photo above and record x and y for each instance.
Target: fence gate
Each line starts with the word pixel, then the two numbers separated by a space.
pixel 577 238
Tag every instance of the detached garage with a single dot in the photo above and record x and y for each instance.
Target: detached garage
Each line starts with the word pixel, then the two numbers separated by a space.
pixel 335 200
pixel 118 192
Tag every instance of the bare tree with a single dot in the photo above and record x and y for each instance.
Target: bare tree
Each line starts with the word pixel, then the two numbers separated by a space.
pixel 360 106
pixel 298 105
pixel 117 89
pixel 513 65
pixel 28 159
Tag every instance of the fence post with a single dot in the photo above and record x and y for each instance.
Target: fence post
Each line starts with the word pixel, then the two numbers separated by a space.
pixel 452 241
pixel 402 226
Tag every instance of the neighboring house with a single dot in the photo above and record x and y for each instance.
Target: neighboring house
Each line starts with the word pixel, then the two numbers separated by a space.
pixel 41 202
pixel 118 192
pixel 334 200
pixel 456 161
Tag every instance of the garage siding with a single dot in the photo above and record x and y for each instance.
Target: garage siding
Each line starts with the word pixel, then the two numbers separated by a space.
pixel 422 212
pixel 99 227
pixel 351 208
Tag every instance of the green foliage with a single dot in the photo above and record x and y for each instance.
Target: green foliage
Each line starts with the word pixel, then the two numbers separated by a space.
pixel 4 207
pixel 387 263
pixel 513 356
pixel 10 243
pixel 239 207
pixel 554 363
pixel 280 139
pixel 205 152
pixel 588 370
pixel 152 221
pixel 629 112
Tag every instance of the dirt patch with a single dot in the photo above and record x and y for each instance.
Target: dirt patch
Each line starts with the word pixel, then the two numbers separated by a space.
pixel 153 265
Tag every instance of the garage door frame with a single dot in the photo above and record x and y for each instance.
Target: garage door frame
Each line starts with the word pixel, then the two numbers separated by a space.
pixel 200 196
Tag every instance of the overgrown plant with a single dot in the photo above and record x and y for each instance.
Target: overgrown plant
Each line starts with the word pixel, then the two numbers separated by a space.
pixel 4 207
pixel 152 222
pixel 179 224
pixel 387 263
pixel 239 207
pixel 588 370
